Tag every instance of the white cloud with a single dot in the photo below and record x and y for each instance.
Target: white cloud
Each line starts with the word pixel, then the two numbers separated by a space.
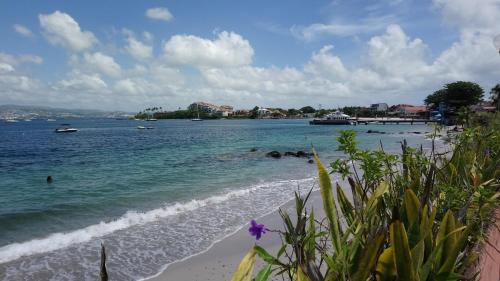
pixel 61 29
pixel 147 36
pixel 159 13
pixel 394 67
pixel 323 63
pixel 480 15
pixel 20 59
pixel 30 59
pixel 23 30
pixel 316 30
pixel 102 63
pixel 82 83
pixel 138 49
pixel 5 67
pixel 228 49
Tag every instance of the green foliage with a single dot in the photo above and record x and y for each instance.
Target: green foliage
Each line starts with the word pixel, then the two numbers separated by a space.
pixel 254 113
pixel 436 98
pixel 462 93
pixel 308 109
pixel 457 94
pixel 495 94
pixel 412 216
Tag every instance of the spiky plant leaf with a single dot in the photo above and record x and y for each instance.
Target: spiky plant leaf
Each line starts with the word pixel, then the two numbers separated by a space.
pixel 369 259
pixel 402 254
pixel 263 274
pixel 329 205
pixel 245 268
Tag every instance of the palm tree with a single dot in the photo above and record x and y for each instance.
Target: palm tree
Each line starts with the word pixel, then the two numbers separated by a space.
pixel 495 94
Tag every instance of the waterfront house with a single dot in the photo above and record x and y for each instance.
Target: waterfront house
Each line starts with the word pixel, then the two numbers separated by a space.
pixel 379 106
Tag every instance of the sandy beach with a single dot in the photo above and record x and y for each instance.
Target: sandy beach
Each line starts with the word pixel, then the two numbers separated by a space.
pixel 220 260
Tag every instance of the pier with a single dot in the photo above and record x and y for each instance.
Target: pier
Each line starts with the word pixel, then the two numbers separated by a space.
pixel 391 120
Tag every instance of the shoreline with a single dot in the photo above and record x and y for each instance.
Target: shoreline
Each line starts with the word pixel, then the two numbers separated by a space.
pixel 219 261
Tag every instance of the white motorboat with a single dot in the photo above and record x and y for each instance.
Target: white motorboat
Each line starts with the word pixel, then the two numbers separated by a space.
pixel 66 130
pixel 335 118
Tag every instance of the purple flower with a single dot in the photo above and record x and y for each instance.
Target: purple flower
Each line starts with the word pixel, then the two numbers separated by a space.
pixel 256 229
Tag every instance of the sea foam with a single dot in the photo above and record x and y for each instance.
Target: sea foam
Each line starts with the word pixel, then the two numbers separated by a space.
pixel 60 240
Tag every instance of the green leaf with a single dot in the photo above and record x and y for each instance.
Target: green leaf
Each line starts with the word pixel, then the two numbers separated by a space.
pixel 345 205
pixel 301 276
pixel 369 259
pixel 446 227
pixel 263 274
pixel 450 260
pixel 412 207
pixel 325 185
pixel 402 254
pixel 265 256
pixel 310 242
pixel 386 269
pixel 417 255
pixel 245 268
pixel 372 202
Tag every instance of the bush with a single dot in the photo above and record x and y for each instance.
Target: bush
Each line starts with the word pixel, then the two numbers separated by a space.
pixel 413 216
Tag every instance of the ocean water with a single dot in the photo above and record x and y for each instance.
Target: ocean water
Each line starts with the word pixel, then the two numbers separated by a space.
pixel 151 196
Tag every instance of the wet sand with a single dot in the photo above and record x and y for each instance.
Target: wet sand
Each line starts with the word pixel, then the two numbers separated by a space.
pixel 220 261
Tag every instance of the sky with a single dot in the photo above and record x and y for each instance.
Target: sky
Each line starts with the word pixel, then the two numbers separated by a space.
pixel 129 55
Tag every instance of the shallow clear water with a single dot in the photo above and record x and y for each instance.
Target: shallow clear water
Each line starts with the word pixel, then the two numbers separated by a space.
pixel 152 196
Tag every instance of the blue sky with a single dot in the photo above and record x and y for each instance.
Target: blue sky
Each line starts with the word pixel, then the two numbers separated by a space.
pixel 131 54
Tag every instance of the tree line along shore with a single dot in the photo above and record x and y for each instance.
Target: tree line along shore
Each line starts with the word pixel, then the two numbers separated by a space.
pixel 449 103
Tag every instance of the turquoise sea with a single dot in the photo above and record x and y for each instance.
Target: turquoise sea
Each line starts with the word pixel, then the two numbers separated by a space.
pixel 151 196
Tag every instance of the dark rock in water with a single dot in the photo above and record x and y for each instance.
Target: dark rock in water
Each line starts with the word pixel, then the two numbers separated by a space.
pixel 310 161
pixel 274 154
pixel 253 149
pixel 49 179
pixel 290 153
pixel 418 133
pixel 374 132
pixel 301 153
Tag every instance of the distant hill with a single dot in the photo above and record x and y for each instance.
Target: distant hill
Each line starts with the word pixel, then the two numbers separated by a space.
pixel 23 112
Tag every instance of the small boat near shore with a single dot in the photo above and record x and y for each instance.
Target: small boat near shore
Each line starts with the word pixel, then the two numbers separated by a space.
pixel 66 130
pixel 335 118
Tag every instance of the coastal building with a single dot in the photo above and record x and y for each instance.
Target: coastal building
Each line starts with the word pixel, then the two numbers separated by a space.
pixel 379 106
pixel 483 106
pixel 223 110
pixel 408 110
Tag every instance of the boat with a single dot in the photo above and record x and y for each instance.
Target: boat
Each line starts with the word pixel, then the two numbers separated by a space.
pixel 51 120
pixel 335 118
pixel 197 118
pixel 141 127
pixel 11 120
pixel 151 119
pixel 66 130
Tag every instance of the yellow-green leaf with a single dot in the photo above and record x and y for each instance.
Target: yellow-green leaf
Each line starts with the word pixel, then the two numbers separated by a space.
pixel 386 269
pixel 325 186
pixel 245 268
pixel 412 207
pixel 402 254
pixel 369 259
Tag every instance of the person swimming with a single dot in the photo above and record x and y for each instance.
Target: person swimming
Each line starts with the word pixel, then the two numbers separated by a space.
pixel 49 179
